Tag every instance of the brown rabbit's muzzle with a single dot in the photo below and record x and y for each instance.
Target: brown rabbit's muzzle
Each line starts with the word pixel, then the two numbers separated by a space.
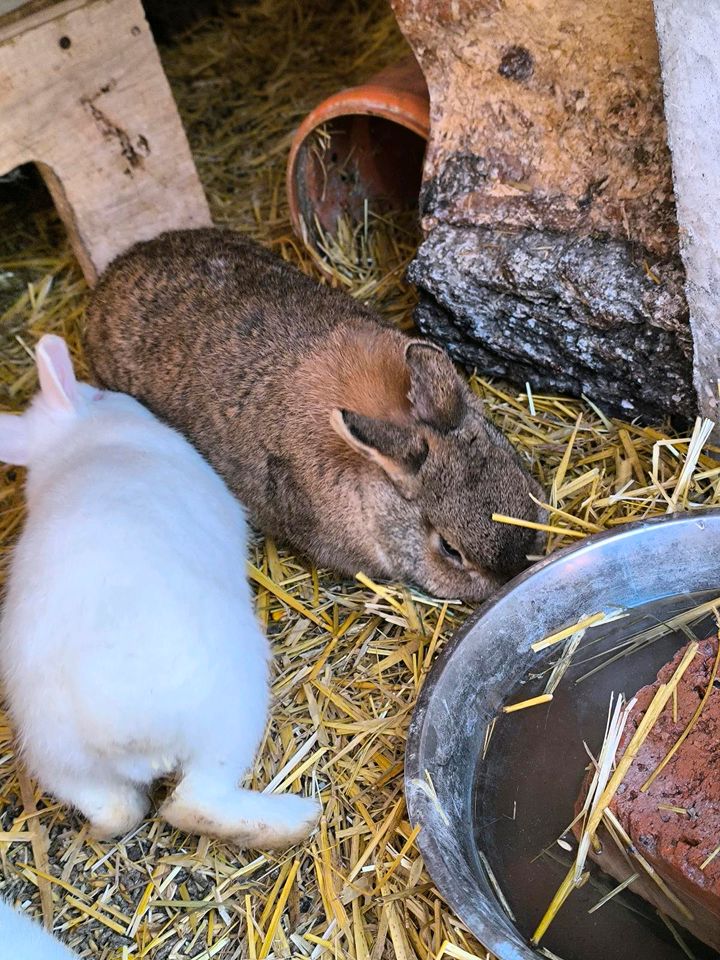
pixel 466 483
pixel 513 545
pixel 475 581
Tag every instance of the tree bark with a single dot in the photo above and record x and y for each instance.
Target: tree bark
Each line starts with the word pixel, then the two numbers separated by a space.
pixel 550 249
pixel 689 36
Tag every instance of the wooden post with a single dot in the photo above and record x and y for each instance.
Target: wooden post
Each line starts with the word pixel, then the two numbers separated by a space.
pixel 84 96
pixel 689 37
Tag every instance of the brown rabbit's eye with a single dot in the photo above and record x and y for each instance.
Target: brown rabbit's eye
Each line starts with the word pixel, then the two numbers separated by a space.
pixel 449 551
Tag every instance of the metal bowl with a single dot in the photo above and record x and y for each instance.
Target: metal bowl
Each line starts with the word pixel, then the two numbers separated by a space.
pixel 490 655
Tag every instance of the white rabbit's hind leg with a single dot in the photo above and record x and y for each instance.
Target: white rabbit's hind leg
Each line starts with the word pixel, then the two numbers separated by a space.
pixel 113 806
pixel 201 804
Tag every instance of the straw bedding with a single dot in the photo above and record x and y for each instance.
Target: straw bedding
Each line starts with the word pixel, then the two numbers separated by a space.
pixel 350 657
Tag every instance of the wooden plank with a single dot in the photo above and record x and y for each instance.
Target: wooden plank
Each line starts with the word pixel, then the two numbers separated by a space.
pixel 8 6
pixel 17 16
pixel 84 96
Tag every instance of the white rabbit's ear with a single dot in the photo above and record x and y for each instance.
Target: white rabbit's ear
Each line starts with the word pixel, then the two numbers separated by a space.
pixel 14 445
pixel 55 370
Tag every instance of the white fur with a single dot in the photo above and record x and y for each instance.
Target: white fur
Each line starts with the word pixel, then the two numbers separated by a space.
pixel 128 643
pixel 23 939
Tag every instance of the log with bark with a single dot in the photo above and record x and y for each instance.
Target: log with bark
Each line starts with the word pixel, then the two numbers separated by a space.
pixel 689 35
pixel 550 250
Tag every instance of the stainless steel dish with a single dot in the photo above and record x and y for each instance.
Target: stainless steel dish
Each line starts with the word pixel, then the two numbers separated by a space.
pixel 491 654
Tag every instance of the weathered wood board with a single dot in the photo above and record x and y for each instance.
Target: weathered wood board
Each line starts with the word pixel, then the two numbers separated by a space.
pixel 84 96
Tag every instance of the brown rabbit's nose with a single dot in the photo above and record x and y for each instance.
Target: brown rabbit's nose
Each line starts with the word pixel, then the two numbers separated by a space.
pixel 511 568
pixel 512 557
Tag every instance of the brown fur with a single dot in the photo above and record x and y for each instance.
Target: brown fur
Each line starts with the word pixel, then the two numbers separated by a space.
pixel 345 439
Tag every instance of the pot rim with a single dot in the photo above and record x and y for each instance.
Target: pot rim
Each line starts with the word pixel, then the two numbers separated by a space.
pixel 374 99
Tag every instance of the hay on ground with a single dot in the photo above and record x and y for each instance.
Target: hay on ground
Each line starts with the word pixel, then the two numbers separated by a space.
pixel 350 657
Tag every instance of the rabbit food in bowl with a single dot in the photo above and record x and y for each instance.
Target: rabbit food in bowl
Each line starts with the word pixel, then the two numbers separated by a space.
pixel 670 809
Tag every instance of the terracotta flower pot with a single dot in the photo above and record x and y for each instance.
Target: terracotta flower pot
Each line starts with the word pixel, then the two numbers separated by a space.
pixel 372 150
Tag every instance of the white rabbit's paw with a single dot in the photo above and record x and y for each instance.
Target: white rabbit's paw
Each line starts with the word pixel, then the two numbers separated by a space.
pixel 121 813
pixel 113 805
pixel 288 820
pixel 249 819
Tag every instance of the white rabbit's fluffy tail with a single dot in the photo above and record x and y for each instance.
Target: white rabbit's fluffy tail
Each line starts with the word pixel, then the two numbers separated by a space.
pixel 256 820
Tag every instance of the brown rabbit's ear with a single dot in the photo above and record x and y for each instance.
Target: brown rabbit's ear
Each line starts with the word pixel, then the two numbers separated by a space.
pixel 400 451
pixel 437 392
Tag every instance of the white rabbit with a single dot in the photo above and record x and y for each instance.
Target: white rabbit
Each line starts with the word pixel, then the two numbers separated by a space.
pixel 23 939
pixel 128 643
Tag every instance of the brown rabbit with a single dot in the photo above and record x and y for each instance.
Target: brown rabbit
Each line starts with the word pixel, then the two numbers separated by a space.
pixel 361 448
